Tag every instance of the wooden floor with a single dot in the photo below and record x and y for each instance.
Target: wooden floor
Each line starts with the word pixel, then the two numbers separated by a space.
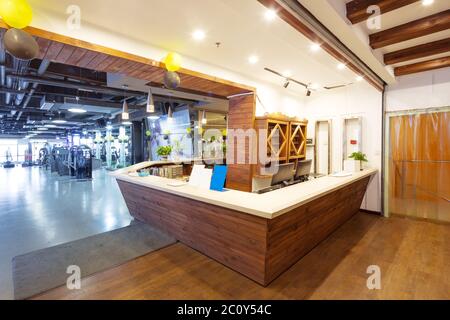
pixel 414 257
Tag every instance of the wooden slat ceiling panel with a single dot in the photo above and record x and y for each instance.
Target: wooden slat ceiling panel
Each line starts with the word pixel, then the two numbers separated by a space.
pixel 86 59
pixel 76 56
pixel 53 50
pixel 65 54
pixel 43 47
pixel 98 59
pixel 105 64
pixel 61 49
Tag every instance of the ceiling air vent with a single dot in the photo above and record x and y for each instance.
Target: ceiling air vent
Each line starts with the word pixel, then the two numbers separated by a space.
pixel 46 105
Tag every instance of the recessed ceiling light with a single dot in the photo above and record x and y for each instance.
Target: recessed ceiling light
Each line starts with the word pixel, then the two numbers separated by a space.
pixel 359 78
pixel 427 2
pixel 315 47
pixel 341 66
pixel 199 35
pixel 270 14
pixel 287 73
pixel 253 59
pixel 77 110
pixel 314 86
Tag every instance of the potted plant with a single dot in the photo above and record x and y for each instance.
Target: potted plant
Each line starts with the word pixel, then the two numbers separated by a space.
pixel 359 156
pixel 164 152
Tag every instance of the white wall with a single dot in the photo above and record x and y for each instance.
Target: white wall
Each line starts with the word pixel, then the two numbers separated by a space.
pixel 358 100
pixel 421 90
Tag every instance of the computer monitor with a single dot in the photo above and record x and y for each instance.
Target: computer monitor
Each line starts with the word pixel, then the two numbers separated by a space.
pixel 303 170
pixel 285 173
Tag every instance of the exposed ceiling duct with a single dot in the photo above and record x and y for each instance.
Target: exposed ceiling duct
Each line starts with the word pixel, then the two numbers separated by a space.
pixel 41 70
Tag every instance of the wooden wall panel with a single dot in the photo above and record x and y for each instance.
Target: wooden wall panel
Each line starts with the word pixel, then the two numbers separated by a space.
pixel 237 240
pixel 293 235
pixel 241 115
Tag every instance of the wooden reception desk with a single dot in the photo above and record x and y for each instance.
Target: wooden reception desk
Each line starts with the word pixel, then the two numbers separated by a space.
pixel 257 235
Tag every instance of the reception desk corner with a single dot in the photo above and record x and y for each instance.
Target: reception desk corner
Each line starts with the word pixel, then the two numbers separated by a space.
pixel 257 235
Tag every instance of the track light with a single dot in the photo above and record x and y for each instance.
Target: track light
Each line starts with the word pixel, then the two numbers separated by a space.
pixel 286 84
pixel 308 93
pixel 150 102
pixel 125 114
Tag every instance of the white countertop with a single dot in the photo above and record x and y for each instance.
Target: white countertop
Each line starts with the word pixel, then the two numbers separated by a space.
pixel 268 205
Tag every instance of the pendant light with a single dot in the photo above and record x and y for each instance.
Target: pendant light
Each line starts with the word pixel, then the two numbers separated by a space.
pixel 204 119
pixel 150 102
pixel 125 114
pixel 169 112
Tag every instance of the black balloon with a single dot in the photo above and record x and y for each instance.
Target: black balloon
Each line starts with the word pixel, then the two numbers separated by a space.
pixel 20 44
pixel 171 80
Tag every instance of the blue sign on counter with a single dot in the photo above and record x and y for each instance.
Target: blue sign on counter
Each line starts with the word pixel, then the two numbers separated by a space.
pixel 218 178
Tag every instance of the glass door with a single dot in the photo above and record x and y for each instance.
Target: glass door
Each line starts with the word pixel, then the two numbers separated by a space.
pixel 418 164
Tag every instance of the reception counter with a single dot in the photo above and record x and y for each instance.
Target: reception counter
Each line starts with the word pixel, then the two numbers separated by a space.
pixel 258 235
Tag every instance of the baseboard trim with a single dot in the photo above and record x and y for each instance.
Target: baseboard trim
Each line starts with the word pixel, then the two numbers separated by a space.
pixel 371 212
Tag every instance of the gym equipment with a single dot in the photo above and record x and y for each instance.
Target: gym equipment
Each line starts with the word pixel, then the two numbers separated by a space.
pixel 61 155
pixel 9 164
pixel 44 156
pixel 80 162
pixel 28 157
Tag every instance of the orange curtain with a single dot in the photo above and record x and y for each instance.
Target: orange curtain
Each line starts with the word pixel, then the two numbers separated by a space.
pixel 419 166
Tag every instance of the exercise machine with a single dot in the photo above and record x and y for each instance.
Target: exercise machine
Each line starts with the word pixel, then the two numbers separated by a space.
pixel 80 162
pixel 9 161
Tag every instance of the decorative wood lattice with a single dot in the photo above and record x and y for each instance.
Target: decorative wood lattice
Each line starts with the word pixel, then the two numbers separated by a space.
pixel 297 140
pixel 280 146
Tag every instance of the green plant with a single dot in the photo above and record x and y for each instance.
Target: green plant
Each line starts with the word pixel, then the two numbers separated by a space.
pixel 164 151
pixel 358 156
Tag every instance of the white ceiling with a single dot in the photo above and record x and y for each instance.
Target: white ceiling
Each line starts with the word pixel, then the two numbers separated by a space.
pixel 239 25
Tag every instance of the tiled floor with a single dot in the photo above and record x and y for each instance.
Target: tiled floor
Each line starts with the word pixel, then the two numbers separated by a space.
pixel 39 209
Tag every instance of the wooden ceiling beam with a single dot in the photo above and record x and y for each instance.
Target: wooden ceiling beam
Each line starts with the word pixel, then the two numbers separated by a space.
pixel 411 30
pixel 417 52
pixel 357 9
pixel 423 66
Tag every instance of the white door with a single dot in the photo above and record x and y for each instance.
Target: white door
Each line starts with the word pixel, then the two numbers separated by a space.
pixel 323 147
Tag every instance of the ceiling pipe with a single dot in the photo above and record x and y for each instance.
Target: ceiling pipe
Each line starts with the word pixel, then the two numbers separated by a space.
pixel 21 67
pixel 76 85
pixel 9 84
pixel 2 75
pixel 41 70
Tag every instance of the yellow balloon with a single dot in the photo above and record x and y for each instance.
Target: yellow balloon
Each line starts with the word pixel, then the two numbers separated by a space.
pixel 16 13
pixel 173 62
